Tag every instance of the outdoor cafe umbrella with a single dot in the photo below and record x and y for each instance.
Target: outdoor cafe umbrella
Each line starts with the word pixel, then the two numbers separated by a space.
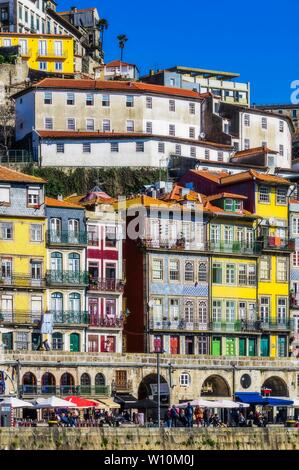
pixel 53 402
pixel 16 403
pixel 201 403
pixel 81 402
pixel 231 404
pixel 144 404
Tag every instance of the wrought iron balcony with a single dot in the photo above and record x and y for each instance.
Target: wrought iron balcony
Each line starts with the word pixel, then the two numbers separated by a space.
pixel 220 246
pixel 70 317
pixel 23 317
pixel 277 244
pixel 235 326
pixel 66 278
pixel 219 326
pixel 22 281
pixel 122 386
pixel 177 325
pixel 66 237
pixel 95 320
pixel 239 247
pixel 285 325
pixel 108 285
pixel 51 54
pixel 63 390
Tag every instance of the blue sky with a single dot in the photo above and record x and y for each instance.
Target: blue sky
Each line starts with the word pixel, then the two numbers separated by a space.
pixel 258 39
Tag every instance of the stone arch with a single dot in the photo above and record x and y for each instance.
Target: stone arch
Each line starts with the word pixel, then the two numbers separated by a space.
pixel 67 384
pixel 29 383
pixel 277 385
pixel 215 386
pixel 148 387
pixel 85 383
pixel 48 383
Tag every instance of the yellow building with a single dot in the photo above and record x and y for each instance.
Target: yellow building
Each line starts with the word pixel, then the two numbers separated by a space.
pixel 23 259
pixel 44 52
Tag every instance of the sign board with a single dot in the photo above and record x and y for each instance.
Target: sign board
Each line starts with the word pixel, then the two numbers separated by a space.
pixel 164 389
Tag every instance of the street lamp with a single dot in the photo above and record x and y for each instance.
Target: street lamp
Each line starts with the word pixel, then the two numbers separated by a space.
pixel 158 352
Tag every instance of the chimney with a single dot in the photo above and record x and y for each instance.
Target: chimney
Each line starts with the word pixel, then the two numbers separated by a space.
pixel 73 9
pixel 60 197
pixel 152 72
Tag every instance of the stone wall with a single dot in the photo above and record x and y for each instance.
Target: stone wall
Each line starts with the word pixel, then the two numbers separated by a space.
pixel 149 439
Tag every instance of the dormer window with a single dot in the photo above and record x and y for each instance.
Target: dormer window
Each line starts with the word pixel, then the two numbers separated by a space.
pixel 233 205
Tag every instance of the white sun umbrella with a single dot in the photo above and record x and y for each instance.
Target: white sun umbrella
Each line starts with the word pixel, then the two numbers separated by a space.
pixel 231 404
pixel 54 402
pixel 16 403
pixel 201 403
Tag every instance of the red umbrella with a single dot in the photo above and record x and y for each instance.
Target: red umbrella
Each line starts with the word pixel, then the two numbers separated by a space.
pixel 81 402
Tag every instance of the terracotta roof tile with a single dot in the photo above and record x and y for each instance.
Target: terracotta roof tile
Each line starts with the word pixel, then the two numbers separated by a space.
pixel 223 195
pixel 211 175
pixel 116 63
pixel 253 174
pixel 7 174
pixel 254 151
pixel 50 201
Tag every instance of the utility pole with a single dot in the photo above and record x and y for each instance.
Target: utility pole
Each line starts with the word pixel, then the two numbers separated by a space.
pixel 18 367
pixel 158 387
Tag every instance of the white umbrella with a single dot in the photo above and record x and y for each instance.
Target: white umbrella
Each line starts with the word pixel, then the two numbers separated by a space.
pixel 201 402
pixel 232 404
pixel 16 403
pixel 54 402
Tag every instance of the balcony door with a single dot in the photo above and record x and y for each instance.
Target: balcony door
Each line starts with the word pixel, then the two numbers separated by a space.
pixel 57 306
pixel 74 267
pixel 74 342
pixel 7 308
pixel 42 47
pixel 55 230
pixel 58 48
pixel 36 308
pixel 6 270
pixel 56 262
pixel 110 311
pixel 73 230
pixel 93 310
pixel 93 343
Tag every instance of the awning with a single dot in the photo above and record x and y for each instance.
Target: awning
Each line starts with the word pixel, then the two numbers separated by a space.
pixel 109 403
pixel 255 398
pixel 124 399
pixel 279 402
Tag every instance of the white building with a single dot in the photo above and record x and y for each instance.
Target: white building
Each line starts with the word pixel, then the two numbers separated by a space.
pixel 115 70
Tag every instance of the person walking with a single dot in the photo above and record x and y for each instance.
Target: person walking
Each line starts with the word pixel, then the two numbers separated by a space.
pixel 206 417
pixel 198 413
pixel 174 416
pixel 189 415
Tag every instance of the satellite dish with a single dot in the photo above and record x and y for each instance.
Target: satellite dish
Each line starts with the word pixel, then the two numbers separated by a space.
pixel 202 135
pixel 151 303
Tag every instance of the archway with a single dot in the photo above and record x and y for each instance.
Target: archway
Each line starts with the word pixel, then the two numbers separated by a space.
pixel 48 384
pixel 148 389
pixel 100 383
pixel 85 384
pixel 277 386
pixel 29 383
pixel 67 384
pixel 215 386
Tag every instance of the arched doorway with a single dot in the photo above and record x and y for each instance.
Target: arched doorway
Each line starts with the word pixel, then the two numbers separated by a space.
pixel 148 389
pixel 215 386
pixel 277 385
pixel 85 384
pixel 74 342
pixel 67 384
pixel 100 384
pixel 29 383
pixel 48 384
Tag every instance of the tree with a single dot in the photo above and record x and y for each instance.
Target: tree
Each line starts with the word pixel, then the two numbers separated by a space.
pixel 7 124
pixel 122 39
pixel 102 25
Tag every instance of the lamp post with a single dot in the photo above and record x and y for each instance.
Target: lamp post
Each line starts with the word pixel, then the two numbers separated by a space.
pixel 158 352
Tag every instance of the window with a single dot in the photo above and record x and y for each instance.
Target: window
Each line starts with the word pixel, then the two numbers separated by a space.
pixel 264 194
pixel 230 308
pixel 86 147
pixel 230 274
pixel 57 341
pixel 242 310
pixel 149 102
pixel 203 312
pixel 172 129
pixel 185 379
pixel 139 146
pixel 281 150
pixel 130 102
pixel 242 274
pixel 220 156
pixel 202 272
pixel 171 105
pixel 7 42
pixel 149 127
pixel 294 113
pixel 89 99
pixel 189 311
pixel 246 144
pixel 114 146
pixel 217 311
pixel 265 268
pixel 203 344
pixel 22 340
pixel 48 97
pixel 36 232
pixel 106 125
pixel 110 236
pixel 189 271
pixel 264 123
pixel 251 275
pixel 157 270
pixel 246 120
pixel 70 98
pixel 295 259
pixel 71 124
pixel 60 148
pixel 281 196
pixel 36 270
pixel 192 108
pixel 207 154
pixel 6 231
pixel 130 125
pixel 282 270
pixel 4 195
pixel 281 126
pixel 236 146
pixel 105 101
pixel 58 66
pixel 192 132
pixel 217 273
pixel 90 124
pixel 295 225
pixel 26 15
pixel 174 309
pixel 161 147
pixel 178 149
pixel 265 309
pixel 281 310
pixel 193 152
pixel 32 196
pixel 48 123
pixel 174 270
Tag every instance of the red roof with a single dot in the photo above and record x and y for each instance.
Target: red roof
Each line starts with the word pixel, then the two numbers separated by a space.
pixel 225 195
pixel 51 202
pixel 82 10
pixel 83 84
pixel 116 63
pixel 7 174
pixel 253 152
pixel 81 402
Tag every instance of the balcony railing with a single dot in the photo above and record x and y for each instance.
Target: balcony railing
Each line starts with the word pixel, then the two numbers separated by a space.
pixel 108 285
pixel 70 317
pixel 177 325
pixel 20 316
pixel 18 157
pixel 219 326
pixel 95 320
pixel 92 239
pixel 239 247
pixel 277 243
pixel 197 245
pixel 63 390
pixel 66 238
pixel 51 54
pixel 66 278
pixel 235 326
pixel 122 386
pixel 22 281
pixel 285 325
